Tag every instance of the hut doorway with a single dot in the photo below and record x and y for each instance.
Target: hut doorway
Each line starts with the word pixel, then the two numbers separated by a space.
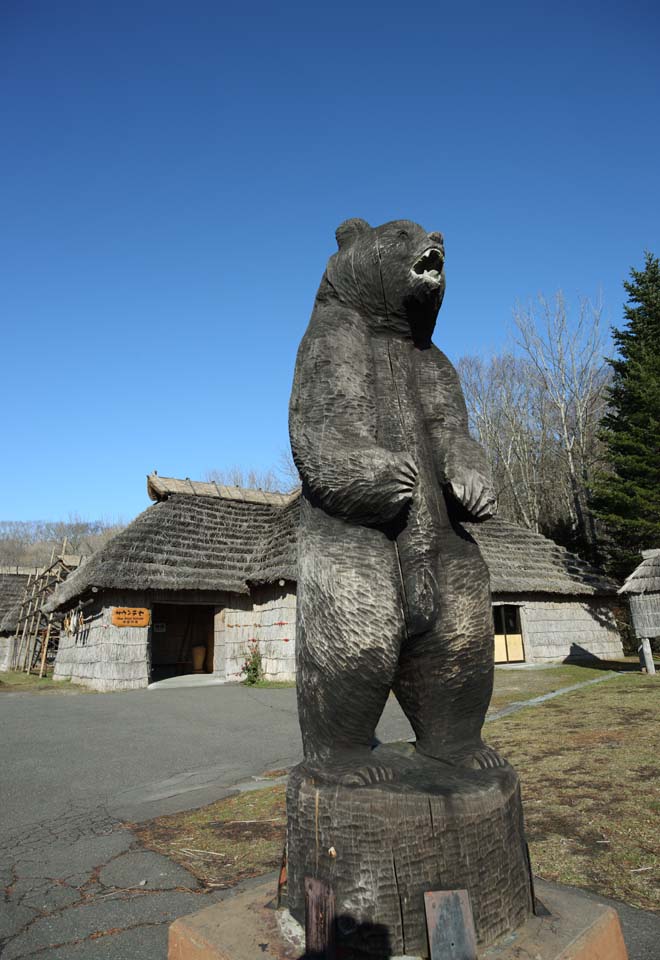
pixel 509 647
pixel 181 640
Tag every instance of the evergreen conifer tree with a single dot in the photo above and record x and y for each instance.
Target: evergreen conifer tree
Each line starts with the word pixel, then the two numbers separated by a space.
pixel 627 497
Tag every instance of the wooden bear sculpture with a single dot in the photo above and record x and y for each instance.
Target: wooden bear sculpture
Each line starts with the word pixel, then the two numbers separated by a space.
pixel 392 592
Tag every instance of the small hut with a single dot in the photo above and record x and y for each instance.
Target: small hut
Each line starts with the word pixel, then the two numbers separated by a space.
pixel 196 583
pixel 13 581
pixel 642 588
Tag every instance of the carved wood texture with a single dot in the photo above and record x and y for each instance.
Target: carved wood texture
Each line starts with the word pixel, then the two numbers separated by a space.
pixel 393 845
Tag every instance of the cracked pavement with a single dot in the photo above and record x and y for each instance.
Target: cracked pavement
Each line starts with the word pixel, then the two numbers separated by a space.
pixel 77 770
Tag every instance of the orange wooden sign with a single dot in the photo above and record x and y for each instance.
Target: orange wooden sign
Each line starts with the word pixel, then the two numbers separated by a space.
pixel 131 617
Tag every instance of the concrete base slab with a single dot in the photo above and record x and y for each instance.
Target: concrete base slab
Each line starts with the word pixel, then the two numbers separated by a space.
pixel 568 927
pixel 188 680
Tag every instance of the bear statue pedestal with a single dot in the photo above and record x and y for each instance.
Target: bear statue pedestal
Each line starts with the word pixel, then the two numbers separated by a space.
pixel 381 846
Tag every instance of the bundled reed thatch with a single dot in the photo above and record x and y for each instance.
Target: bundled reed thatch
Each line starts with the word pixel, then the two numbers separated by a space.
pixel 521 561
pixel 643 590
pixel 646 577
pixel 193 541
pixel 12 590
pixel 208 537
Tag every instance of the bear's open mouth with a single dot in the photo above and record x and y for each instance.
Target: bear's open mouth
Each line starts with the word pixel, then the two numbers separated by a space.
pixel 429 265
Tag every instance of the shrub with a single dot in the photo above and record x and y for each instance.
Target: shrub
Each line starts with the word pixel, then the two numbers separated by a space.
pixel 253 667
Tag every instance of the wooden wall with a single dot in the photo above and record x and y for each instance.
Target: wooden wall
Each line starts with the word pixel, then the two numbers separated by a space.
pixel 557 628
pixel 268 616
pixel 645 610
pixel 106 657
pixel 6 652
pixel 102 656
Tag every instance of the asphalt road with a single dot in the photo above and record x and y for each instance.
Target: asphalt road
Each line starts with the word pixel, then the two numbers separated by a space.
pixel 76 768
pixel 144 753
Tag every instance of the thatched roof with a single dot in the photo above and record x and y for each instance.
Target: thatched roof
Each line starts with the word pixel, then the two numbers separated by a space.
pixel 646 577
pixel 191 541
pixel 197 539
pixel 521 561
pixel 12 589
pixel 160 488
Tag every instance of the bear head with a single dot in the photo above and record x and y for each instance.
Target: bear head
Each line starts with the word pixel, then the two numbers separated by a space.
pixel 392 274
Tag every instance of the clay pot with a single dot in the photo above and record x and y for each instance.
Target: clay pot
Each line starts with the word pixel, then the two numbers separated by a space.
pixel 198 657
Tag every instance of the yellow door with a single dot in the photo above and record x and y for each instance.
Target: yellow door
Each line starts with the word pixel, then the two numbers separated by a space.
pixel 500 648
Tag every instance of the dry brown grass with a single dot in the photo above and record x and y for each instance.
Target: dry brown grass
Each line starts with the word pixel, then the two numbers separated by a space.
pixel 15 681
pixel 590 770
pixel 590 773
pixel 525 684
pixel 227 841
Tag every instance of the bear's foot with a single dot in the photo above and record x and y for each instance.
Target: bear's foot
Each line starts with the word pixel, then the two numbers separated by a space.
pixel 360 768
pixel 366 775
pixel 473 756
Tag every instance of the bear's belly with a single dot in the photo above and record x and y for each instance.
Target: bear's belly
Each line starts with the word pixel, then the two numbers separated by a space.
pixel 401 427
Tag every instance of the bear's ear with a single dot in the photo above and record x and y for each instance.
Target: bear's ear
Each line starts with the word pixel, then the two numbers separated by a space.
pixel 347 231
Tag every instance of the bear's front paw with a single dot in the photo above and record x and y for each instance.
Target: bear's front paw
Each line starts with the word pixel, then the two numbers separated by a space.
pixel 399 480
pixel 475 492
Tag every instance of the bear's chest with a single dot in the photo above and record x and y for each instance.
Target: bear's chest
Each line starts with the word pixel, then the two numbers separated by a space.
pixel 400 422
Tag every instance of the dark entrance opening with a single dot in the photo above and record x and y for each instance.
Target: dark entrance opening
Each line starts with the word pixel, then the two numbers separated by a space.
pixel 181 640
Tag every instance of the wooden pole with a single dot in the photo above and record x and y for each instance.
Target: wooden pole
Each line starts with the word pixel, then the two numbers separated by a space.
pixel 646 656
pixel 319 919
pixel 44 649
pixel 17 643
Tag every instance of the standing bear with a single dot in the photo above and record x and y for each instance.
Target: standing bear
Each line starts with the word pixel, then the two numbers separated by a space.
pixel 392 591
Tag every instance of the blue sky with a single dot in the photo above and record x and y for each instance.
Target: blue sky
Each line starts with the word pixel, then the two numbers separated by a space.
pixel 172 174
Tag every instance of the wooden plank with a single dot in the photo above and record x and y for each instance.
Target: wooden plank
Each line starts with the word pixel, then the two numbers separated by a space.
pixel 515 649
pixel 319 919
pixel 131 617
pixel 44 650
pixel 450 925
pixel 500 648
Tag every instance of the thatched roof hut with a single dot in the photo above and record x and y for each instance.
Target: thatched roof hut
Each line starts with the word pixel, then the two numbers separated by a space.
pixel 642 588
pixel 548 604
pixel 199 540
pixel 13 581
pixel 12 589
pixel 233 551
pixel 211 565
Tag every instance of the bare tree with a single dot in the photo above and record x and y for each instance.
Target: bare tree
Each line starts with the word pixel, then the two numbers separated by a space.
pixel 249 478
pixel 536 409
pixel 31 543
pixel 509 415
pixel 288 471
pixel 568 357
pixel 282 478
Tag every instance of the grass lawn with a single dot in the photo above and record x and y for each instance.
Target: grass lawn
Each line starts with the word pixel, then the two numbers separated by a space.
pixel 15 681
pixel 590 772
pixel 515 685
pixel 269 683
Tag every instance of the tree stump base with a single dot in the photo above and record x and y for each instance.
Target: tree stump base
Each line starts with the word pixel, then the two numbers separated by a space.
pixel 381 846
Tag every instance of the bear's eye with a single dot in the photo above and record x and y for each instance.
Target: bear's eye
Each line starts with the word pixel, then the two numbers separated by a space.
pixel 403 234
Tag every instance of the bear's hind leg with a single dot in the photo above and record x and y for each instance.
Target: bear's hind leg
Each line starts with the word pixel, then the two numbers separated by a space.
pixel 444 680
pixel 350 628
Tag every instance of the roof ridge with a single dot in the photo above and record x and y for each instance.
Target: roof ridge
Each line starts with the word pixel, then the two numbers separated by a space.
pixel 160 488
